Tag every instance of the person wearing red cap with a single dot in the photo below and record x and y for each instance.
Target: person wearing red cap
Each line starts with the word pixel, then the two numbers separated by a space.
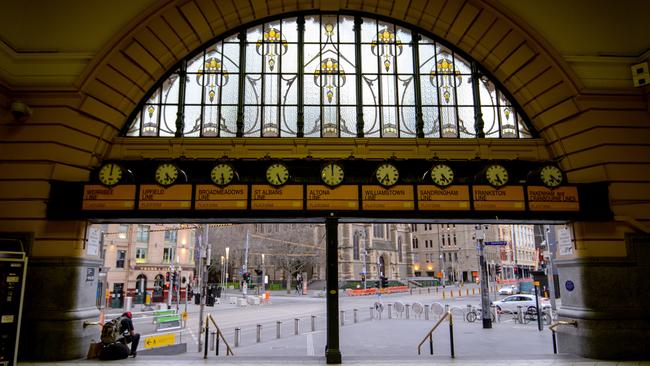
pixel 130 336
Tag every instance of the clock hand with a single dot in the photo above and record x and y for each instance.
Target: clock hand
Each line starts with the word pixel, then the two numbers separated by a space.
pixel 167 176
pixel 498 178
pixel 279 179
pixel 222 178
pixel 111 172
pixel 444 178
pixel 385 178
pixel 332 169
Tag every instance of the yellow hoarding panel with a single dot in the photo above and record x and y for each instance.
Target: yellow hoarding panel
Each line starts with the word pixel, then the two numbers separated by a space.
pixel 488 198
pixel 321 197
pixel 211 197
pixel 558 199
pixel 98 197
pixel 155 197
pixel 452 198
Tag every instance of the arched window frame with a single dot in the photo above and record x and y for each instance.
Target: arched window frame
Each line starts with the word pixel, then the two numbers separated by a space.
pixel 213 74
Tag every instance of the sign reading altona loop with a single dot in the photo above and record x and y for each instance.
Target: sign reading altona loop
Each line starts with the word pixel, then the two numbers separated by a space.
pixel 320 197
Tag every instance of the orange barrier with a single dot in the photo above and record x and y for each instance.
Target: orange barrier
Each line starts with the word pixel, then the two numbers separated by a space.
pixel 373 291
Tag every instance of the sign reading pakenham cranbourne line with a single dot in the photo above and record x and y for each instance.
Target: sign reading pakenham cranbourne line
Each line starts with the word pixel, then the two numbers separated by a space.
pixel 98 197
pixel 488 198
pixel 452 198
pixel 393 198
pixel 155 197
pixel 266 197
pixel 211 197
pixel 320 197
pixel 557 199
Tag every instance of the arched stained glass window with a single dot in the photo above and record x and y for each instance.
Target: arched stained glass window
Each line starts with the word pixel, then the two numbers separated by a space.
pixel 328 76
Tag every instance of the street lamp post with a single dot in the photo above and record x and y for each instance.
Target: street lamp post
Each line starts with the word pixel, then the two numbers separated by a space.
pixel 227 254
pixel 263 274
pixel 550 274
pixel 485 299
pixel 362 236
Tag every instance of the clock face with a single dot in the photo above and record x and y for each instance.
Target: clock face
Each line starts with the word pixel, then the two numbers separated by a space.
pixel 277 174
pixel 496 175
pixel 110 174
pixel 387 174
pixel 442 175
pixel 222 174
pixel 551 176
pixel 166 174
pixel 332 174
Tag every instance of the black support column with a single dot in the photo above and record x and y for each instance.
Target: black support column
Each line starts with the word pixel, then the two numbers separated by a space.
pixel 332 351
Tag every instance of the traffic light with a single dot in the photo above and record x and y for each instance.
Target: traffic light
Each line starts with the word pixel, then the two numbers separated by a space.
pixel 384 281
pixel 246 276
pixel 167 277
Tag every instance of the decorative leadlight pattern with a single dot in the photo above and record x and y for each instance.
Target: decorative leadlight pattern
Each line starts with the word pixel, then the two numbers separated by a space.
pixel 328 76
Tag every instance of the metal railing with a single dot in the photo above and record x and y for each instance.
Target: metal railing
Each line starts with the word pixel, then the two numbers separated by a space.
pixel 573 323
pixel 430 334
pixel 219 334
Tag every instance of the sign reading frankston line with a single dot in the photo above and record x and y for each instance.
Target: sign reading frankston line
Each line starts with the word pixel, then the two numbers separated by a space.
pixel 211 197
pixel 488 198
pixel 265 197
pixel 98 197
pixel 557 199
pixel 155 197
pixel 399 198
pixel 320 197
pixel 452 198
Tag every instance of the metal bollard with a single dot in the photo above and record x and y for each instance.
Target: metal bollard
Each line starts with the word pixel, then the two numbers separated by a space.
pixel 342 317
pixel 428 290
pixel 407 310
pixel 296 326
pixel 259 333
pixel 355 315
pixel 497 316
pixel 278 324
pixel 237 335
pixel 520 314
pixel 426 312
pixel 390 311
pixel 446 308
pixel 467 292
pixel 212 338
pixel 469 310
pixel 372 315
pixel 473 291
pixel 443 294
pixel 313 323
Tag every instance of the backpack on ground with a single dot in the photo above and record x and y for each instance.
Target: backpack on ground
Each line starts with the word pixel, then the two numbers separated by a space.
pixel 111 331
pixel 114 351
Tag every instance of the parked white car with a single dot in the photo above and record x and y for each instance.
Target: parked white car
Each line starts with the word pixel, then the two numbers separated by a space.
pixel 508 290
pixel 509 304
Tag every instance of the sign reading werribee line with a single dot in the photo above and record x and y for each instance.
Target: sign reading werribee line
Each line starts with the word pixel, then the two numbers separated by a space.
pixel 155 197
pixel 558 199
pixel 488 198
pixel 387 199
pixel 265 197
pixel 320 197
pixel 211 197
pixel 98 197
pixel 452 198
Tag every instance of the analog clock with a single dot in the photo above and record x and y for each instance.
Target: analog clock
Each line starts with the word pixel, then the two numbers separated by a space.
pixel 332 174
pixel 551 176
pixel 166 174
pixel 110 174
pixel 442 175
pixel 222 174
pixel 387 174
pixel 277 174
pixel 496 175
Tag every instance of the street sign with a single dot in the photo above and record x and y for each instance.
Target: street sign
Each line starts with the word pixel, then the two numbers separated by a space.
pixel 501 242
pixel 160 340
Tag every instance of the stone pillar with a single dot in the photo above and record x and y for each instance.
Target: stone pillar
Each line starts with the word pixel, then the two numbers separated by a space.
pixel 605 288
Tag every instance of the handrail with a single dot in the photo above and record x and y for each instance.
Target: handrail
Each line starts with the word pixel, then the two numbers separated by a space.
pixel 219 334
pixel 429 335
pixel 552 327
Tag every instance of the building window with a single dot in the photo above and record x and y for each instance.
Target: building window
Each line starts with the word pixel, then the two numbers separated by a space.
pixel 171 236
pixel 122 231
pixel 121 257
pixel 399 249
pixel 378 231
pixel 454 238
pixel 167 255
pixel 355 247
pixel 415 243
pixel 140 255
pixel 142 234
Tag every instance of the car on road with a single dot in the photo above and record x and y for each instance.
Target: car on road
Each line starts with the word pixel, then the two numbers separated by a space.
pixel 510 304
pixel 508 290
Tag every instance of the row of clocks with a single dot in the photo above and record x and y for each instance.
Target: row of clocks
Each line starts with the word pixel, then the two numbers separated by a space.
pixel 331 173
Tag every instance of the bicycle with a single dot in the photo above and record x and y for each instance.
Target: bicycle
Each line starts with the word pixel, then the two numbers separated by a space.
pixel 531 314
pixel 476 313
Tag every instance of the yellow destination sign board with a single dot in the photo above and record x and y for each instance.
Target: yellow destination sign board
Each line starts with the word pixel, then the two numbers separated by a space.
pixel 558 199
pixel 266 197
pixel 155 197
pixel 488 198
pixel 211 197
pixel 98 197
pixel 399 198
pixel 160 340
pixel 452 198
pixel 320 197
